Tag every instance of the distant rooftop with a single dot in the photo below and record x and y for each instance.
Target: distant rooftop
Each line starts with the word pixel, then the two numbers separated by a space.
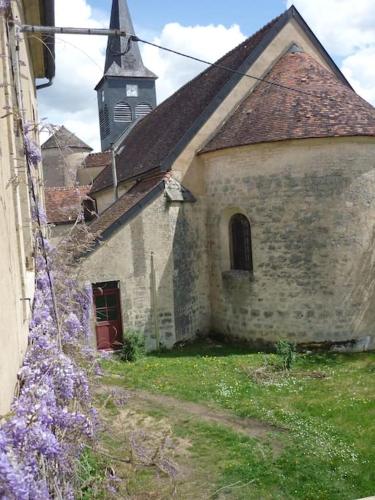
pixel 98 160
pixel 64 204
pixel 63 139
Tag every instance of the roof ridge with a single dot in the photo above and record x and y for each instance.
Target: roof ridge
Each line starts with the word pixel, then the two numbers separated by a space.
pixel 218 62
pixel 66 188
pixel 150 147
pixel 127 195
pixel 264 28
pixel 212 79
pixel 100 153
pixel 65 136
pixel 268 115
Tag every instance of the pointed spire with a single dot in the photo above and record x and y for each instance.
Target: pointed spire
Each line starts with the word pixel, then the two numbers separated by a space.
pixel 123 57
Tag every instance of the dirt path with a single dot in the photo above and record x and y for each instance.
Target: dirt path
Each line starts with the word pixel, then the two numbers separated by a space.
pixel 139 427
pixel 185 410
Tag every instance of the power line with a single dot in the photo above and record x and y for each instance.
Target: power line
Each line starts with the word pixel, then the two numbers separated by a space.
pixel 225 68
pixel 240 73
pixel 54 30
pixel 51 31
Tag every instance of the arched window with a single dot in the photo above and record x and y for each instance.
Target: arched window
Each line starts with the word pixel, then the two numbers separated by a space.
pixel 104 121
pixel 240 243
pixel 122 113
pixel 142 110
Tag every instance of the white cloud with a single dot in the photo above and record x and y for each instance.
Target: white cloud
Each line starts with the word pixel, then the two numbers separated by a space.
pixel 341 25
pixel 347 30
pixel 205 42
pixel 80 61
pixel 359 69
pixel 79 66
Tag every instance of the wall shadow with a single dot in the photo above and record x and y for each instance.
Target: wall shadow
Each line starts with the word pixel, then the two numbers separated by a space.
pixel 204 348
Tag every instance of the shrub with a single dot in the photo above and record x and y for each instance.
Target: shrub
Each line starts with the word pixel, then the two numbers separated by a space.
pixel 133 347
pixel 287 352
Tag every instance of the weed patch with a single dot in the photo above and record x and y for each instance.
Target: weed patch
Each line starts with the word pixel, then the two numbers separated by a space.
pixel 324 403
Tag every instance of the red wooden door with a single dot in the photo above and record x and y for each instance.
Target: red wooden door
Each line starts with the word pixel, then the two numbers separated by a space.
pixel 108 318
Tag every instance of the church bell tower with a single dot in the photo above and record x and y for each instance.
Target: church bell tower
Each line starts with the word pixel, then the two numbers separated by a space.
pixel 126 93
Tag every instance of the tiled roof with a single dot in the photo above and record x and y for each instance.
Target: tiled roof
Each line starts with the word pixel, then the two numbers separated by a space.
pixel 63 204
pixel 157 136
pixel 98 160
pixel 114 215
pixel 63 138
pixel 271 113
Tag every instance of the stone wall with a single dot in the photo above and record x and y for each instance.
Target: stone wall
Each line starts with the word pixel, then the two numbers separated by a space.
pixel 60 166
pixel 106 197
pixel 190 278
pixel 16 244
pixel 157 258
pixel 127 257
pixel 311 204
pixel 139 258
pixel 86 176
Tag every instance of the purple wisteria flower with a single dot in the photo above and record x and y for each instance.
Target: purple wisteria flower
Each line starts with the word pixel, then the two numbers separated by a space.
pixel 33 152
pixel 52 416
pixel 4 4
pixel 72 327
pixel 38 214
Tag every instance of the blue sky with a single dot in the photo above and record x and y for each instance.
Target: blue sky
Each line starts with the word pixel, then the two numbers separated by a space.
pixel 203 28
pixel 152 15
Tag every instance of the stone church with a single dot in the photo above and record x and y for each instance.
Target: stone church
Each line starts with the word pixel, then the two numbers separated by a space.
pixel 239 206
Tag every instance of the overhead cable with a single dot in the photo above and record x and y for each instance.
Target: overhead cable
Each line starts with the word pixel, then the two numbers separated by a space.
pixel 51 30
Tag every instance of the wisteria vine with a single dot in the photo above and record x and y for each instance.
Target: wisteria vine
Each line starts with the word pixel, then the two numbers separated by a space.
pixel 4 4
pixel 52 416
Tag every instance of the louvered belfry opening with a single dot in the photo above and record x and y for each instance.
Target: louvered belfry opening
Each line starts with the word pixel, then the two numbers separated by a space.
pixel 122 113
pixel 142 110
pixel 104 121
pixel 240 243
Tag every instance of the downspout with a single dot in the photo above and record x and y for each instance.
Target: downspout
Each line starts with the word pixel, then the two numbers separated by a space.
pixel 6 72
pixel 45 85
pixel 114 174
pixel 154 303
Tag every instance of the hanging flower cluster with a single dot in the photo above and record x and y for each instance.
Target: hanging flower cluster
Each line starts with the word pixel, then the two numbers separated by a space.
pixel 4 4
pixel 52 416
pixel 32 149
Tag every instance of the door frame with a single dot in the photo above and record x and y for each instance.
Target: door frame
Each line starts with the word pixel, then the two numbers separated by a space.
pixel 103 289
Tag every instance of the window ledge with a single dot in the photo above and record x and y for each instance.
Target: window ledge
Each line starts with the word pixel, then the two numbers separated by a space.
pixel 238 275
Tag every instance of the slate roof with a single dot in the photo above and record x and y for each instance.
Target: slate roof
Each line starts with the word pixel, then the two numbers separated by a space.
pixel 98 160
pixel 63 204
pixel 63 138
pixel 156 140
pixel 149 150
pixel 123 57
pixel 149 144
pixel 128 205
pixel 274 114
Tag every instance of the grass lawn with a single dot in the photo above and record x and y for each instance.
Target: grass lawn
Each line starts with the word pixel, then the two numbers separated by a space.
pixel 323 442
